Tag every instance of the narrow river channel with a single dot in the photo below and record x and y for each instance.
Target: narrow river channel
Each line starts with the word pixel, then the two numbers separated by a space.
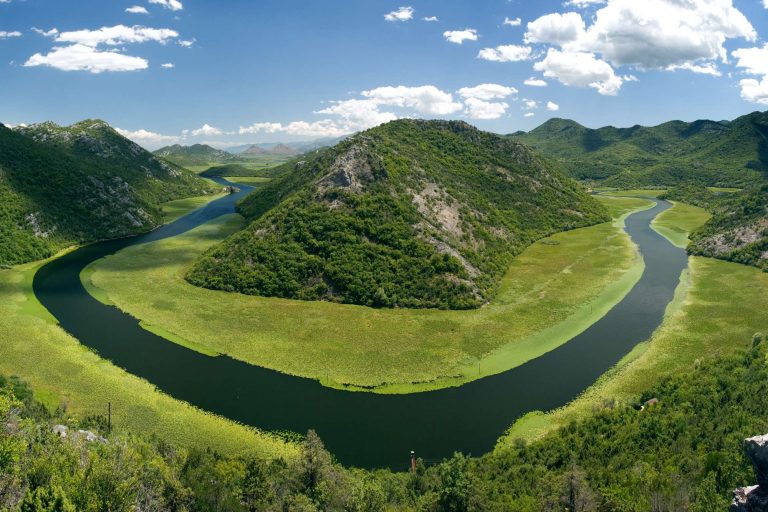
pixel 362 429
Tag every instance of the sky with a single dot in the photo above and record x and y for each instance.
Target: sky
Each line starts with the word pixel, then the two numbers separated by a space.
pixel 245 71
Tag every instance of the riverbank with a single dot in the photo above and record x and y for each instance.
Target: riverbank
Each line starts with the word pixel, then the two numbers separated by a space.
pixel 718 306
pixel 67 375
pixel 553 291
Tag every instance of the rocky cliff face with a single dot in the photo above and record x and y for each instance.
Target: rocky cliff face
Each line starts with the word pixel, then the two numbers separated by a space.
pixel 754 498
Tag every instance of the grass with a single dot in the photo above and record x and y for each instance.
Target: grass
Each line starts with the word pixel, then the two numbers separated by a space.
pixel 248 180
pixel 67 375
pixel 679 221
pixel 638 192
pixel 552 291
pixel 718 306
pixel 172 210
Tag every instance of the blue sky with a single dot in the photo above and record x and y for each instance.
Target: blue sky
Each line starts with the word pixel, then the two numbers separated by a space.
pixel 237 71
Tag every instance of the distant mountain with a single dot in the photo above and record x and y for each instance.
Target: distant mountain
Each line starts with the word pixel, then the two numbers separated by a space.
pixel 194 155
pixel 278 149
pixel 714 153
pixel 61 186
pixel 293 148
pixel 410 214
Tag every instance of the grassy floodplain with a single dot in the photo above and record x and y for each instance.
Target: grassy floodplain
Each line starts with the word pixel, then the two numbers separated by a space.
pixel 718 306
pixel 67 375
pixel 552 291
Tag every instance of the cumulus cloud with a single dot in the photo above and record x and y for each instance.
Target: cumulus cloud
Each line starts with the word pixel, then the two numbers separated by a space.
pixel 174 5
pixel 755 62
pixel 8 35
pixel 148 138
pixel 401 14
pixel 530 104
pixel 529 114
pixel 580 69
pixel 556 28
pixel 114 36
pixel 323 128
pixel 186 43
pixel 207 130
pixel 137 9
pixel 552 106
pixel 480 109
pixel 47 33
pixel 505 53
pixel 434 18
pixel 707 68
pixel 425 99
pixel 80 57
pixel 168 65
pixel 535 82
pixel 459 36
pixel 487 91
pixel 584 3
pixel 516 22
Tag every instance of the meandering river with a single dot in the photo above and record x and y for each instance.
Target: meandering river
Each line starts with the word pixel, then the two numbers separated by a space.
pixel 362 429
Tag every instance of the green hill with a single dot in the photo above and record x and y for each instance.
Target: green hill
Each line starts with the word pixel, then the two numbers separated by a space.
pixel 725 153
pixel 65 185
pixel 194 155
pixel 409 214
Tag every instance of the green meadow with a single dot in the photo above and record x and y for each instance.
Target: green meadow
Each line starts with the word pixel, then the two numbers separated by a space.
pixel 66 375
pixel 553 290
pixel 718 307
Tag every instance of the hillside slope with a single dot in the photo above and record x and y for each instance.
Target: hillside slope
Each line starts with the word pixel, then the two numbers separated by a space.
pixel 408 214
pixel 65 185
pixel 725 153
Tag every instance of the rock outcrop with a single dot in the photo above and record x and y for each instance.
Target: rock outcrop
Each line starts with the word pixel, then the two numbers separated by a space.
pixel 754 498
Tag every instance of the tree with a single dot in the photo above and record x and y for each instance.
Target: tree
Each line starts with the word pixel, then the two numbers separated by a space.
pixel 255 490
pixel 46 499
pixel 454 485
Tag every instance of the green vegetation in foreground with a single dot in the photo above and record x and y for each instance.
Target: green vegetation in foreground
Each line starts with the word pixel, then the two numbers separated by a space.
pixel 262 166
pixel 552 291
pixel 410 214
pixel 249 180
pixel 683 453
pixel 720 154
pixel 173 210
pixel 718 305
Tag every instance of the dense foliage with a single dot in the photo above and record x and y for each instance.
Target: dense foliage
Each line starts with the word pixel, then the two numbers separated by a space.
pixel 410 214
pixel 65 185
pixel 726 153
pixel 240 170
pixel 738 229
pixel 691 193
pixel 684 453
pixel 194 155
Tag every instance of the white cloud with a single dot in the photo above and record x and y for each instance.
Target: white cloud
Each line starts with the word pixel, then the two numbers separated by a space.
pixel 174 5
pixel 323 128
pixel 552 106
pixel 79 57
pixel 529 114
pixel 755 91
pixel 530 104
pixel 7 35
pixel 580 69
pixel 167 65
pixel 556 29
pixel 261 127
pixel 754 60
pixel 434 18
pixel 358 114
pixel 765 4
pixel 117 35
pixel 707 68
pixel 145 137
pixel 459 36
pixel 658 34
pixel 137 9
pixel 487 91
pixel 47 33
pixel 516 22
pixel 584 3
pixel 480 109
pixel 426 99
pixel 535 82
pixel 207 130
pixel 505 53
pixel 186 43
pixel 401 14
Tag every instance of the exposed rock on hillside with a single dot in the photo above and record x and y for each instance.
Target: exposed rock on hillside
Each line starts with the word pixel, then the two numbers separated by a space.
pixel 754 498
pixel 409 214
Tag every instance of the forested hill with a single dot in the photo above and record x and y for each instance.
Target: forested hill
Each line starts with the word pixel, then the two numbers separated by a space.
pixel 65 185
pixel 411 214
pixel 196 154
pixel 723 153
